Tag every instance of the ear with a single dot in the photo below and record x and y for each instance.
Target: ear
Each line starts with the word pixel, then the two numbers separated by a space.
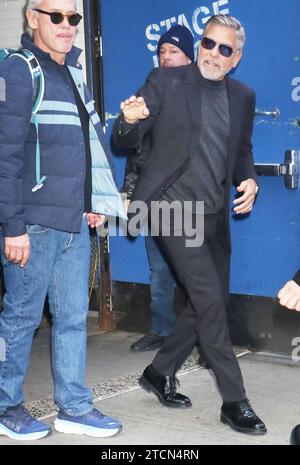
pixel 237 57
pixel 32 19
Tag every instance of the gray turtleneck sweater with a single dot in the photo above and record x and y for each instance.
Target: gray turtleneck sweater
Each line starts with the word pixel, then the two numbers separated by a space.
pixel 205 176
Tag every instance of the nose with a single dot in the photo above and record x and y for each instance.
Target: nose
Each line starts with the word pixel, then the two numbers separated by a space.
pixel 215 51
pixel 65 22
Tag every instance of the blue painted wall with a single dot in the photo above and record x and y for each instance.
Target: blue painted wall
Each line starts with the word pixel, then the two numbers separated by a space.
pixel 266 249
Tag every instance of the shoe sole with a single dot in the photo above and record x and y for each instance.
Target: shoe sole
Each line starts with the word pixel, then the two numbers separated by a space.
pixel 227 421
pixel 146 349
pixel 68 427
pixel 149 388
pixel 23 437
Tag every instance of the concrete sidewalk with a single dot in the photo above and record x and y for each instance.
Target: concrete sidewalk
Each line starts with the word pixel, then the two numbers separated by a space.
pixel 272 386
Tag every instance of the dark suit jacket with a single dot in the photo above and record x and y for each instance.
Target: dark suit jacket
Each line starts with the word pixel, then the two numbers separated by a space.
pixel 296 278
pixel 172 96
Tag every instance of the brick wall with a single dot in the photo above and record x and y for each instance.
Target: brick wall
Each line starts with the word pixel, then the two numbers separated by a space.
pixel 11 24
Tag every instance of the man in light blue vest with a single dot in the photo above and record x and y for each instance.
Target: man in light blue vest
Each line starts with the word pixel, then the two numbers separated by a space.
pixel 50 192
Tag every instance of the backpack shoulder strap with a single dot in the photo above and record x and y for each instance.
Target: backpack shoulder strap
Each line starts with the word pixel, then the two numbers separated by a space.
pixel 38 80
pixel 38 85
pixel 6 52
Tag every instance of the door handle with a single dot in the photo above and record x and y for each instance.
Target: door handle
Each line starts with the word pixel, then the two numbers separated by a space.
pixel 289 169
pixel 274 113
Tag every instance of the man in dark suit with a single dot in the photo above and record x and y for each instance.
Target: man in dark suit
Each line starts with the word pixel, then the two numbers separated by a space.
pixel 175 48
pixel 200 123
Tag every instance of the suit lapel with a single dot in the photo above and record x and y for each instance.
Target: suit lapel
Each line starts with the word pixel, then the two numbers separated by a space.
pixel 192 90
pixel 235 119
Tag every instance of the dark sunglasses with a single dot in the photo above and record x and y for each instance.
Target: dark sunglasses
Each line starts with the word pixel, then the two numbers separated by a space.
pixel 57 18
pixel 224 50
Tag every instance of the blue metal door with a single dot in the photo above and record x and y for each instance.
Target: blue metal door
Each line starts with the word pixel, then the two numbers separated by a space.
pixel 266 248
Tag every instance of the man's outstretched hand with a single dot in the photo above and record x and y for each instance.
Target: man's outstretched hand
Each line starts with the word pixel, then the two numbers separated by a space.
pixel 134 109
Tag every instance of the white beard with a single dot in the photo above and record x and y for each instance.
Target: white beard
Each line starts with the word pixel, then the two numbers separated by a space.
pixel 214 73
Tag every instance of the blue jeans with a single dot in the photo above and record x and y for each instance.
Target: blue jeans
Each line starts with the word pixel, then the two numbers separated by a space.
pixel 58 267
pixel 162 290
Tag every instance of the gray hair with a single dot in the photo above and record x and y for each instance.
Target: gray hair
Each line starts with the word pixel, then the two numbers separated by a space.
pixel 31 4
pixel 232 23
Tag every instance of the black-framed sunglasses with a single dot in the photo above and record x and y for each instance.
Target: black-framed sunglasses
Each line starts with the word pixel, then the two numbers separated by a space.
pixel 224 50
pixel 57 18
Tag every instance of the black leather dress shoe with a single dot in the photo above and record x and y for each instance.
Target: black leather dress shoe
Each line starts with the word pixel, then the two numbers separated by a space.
pixel 164 387
pixel 295 436
pixel 241 417
pixel 148 342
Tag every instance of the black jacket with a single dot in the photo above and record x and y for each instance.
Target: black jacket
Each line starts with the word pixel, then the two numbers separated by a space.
pixel 174 126
pixel 296 278
pixel 134 164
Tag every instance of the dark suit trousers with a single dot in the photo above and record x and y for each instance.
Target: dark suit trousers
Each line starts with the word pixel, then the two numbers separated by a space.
pixel 203 318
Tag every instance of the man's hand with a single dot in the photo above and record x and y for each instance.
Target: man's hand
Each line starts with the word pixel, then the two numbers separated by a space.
pixel 95 219
pixel 17 249
pixel 246 201
pixel 126 204
pixel 289 296
pixel 134 109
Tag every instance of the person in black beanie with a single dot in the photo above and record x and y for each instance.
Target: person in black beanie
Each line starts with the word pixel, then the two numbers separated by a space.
pixel 182 38
pixel 175 48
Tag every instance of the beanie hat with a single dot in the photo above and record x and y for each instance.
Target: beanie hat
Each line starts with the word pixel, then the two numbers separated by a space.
pixel 180 36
